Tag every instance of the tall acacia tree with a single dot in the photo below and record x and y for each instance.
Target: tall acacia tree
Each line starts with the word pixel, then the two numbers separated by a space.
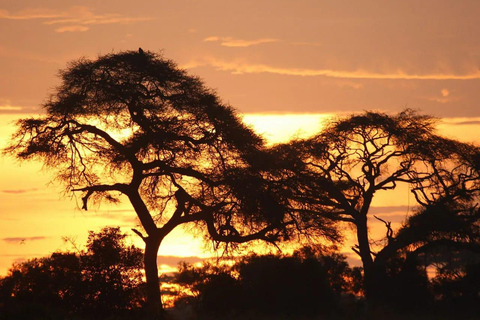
pixel 134 124
pixel 338 172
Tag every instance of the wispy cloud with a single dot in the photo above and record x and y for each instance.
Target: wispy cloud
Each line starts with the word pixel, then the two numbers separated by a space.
pixel 239 67
pixel 14 109
pixel 468 123
pixel 349 84
pixel 22 239
pixel 10 108
pixel 72 29
pixel 127 217
pixel 391 209
pixel 174 260
pixel 77 19
pixel 461 121
pixel 231 42
pixel 29 14
pixel 19 191
pixel 444 97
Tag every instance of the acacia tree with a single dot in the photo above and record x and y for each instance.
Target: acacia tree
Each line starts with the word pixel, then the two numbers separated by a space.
pixel 338 172
pixel 134 124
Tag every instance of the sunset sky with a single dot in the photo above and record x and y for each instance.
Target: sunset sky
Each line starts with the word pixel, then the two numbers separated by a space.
pixel 284 65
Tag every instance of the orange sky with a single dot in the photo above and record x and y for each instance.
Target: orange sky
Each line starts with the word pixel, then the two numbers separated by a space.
pixel 283 64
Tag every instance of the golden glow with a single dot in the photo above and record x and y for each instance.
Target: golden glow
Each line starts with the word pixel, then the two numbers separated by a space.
pixel 278 128
pixel 36 217
pixel 463 129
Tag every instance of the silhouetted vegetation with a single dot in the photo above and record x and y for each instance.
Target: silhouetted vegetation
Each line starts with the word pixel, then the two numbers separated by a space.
pixel 339 171
pixel 133 124
pixel 306 284
pixel 102 282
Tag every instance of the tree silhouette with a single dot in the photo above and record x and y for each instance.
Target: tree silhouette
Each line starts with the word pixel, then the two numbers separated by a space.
pixel 310 282
pixel 111 273
pixel 97 283
pixel 133 124
pixel 457 283
pixel 338 172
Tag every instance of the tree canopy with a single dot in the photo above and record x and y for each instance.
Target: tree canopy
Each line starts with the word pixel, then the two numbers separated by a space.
pixel 339 171
pixel 134 124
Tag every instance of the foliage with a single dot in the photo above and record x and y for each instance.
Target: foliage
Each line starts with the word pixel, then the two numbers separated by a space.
pixel 339 171
pixel 111 270
pixel 309 282
pixel 456 284
pixel 102 281
pixel 134 124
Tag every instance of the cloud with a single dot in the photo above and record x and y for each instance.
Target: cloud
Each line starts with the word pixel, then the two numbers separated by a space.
pixel 77 19
pixel 174 260
pixel 461 121
pixel 72 29
pixel 468 123
pixel 349 84
pixel 10 108
pixel 19 191
pixel 238 67
pixel 13 109
pixel 392 213
pixel 29 14
pixel 22 239
pixel 123 218
pixel 444 98
pixel 231 42
pixel 390 209
pixel 211 39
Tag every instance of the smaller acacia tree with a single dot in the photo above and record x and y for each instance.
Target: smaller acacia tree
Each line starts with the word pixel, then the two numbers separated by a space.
pixel 338 172
pixel 133 124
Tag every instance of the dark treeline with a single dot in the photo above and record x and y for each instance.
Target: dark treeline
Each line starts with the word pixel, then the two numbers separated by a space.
pixel 319 284
pixel 105 282
pixel 134 125
pixel 309 283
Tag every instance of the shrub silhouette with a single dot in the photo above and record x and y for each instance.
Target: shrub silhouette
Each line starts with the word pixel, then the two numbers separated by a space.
pixel 90 283
pixel 271 285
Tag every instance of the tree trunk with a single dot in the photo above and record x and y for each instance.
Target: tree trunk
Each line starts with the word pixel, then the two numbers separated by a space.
pixel 374 272
pixel 154 299
pixel 365 255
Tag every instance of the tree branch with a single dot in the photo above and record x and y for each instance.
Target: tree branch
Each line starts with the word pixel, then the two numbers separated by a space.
pixel 100 188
